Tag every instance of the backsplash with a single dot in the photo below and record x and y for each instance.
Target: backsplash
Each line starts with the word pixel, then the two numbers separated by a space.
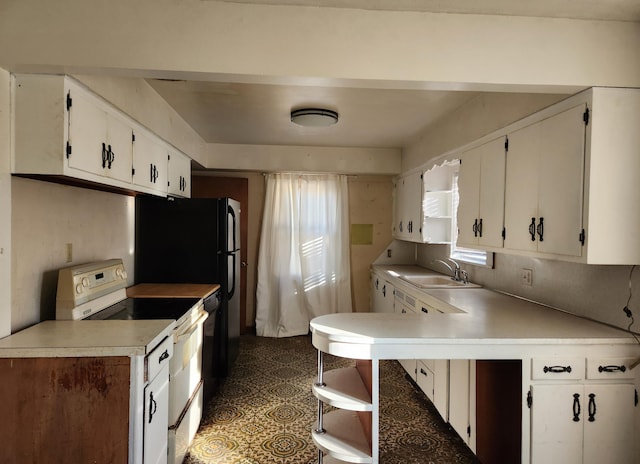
pixel 594 292
pixel 45 218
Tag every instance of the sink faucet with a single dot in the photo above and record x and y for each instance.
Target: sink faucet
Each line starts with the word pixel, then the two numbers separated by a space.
pixel 457 274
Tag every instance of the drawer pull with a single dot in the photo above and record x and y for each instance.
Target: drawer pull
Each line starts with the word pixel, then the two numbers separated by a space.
pixel 425 310
pixel 423 372
pixel 612 368
pixel 556 369
pixel 163 356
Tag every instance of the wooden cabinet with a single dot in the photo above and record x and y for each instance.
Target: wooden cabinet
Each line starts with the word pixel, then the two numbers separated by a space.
pixel 481 189
pixel 543 205
pixel 64 132
pixel 179 175
pixel 407 207
pixel 62 404
pixel 150 161
pixel 582 420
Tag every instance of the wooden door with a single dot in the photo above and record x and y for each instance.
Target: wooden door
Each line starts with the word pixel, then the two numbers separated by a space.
pixel 238 189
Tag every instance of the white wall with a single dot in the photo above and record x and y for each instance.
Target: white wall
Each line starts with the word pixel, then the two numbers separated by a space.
pixel 5 206
pixel 47 216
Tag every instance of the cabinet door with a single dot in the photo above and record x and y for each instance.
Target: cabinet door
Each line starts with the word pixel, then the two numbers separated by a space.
pixel 611 435
pixel 560 191
pixel 156 418
pixel 120 138
pixel 87 134
pixel 491 212
pixel 469 199
pixel 179 175
pixel 150 162
pixel 556 438
pixel 459 404
pixel 521 188
pixel 408 207
pixel 481 195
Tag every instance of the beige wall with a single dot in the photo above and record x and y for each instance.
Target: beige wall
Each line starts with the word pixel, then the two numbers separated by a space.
pixel 47 216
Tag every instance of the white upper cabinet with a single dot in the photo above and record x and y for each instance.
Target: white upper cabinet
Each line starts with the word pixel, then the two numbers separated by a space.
pixel 150 161
pixel 570 189
pixel 408 207
pixel 66 132
pixel 179 174
pixel 543 203
pixel 481 195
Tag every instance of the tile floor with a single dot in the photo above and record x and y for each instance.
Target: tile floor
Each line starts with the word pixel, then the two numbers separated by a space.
pixel 265 411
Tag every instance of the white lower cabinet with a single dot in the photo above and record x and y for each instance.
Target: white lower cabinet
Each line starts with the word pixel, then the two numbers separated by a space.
pixel 583 421
pixel 382 293
pixel 462 399
pixel 156 418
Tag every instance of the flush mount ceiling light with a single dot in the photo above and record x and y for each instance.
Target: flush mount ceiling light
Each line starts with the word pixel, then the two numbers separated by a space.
pixel 314 117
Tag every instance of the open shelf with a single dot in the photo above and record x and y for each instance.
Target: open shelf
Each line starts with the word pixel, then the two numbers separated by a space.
pixel 344 438
pixel 344 389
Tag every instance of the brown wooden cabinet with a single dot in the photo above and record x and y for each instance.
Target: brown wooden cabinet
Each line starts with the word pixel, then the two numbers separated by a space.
pixel 57 410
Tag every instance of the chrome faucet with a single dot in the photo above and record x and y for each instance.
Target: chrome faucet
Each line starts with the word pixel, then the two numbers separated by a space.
pixel 457 274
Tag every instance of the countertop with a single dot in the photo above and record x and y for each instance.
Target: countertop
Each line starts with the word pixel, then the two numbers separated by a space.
pixel 491 325
pixel 172 290
pixel 86 338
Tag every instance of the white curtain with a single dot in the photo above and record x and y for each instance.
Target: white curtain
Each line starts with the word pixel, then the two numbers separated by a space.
pixel 303 262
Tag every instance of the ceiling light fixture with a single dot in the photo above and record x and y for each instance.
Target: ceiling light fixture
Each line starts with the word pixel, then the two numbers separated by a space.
pixel 314 117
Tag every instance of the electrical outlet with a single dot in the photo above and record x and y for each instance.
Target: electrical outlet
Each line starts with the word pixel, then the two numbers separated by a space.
pixel 69 250
pixel 526 277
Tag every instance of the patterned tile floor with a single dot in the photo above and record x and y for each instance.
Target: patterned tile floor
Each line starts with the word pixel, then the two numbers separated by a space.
pixel 265 411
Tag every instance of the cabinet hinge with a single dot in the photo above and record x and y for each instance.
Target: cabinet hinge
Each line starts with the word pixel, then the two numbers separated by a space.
pixel 133 137
pixel 581 237
pixel 133 171
pixel 468 430
pixel 636 402
pixel 68 149
pixel 506 144
pixel 421 176
pixel 69 101
pixel 585 117
pixel 504 233
pixel 529 399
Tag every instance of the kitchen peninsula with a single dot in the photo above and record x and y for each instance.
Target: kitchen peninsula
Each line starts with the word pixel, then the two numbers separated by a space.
pixel 561 356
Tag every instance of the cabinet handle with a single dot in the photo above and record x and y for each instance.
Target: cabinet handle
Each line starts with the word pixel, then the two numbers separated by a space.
pixel 163 356
pixel 150 172
pixel 612 368
pixel 576 407
pixel 592 407
pixel 423 372
pixel 556 369
pixel 377 284
pixel 153 406
pixel 105 155
pixel 425 310
pixel 404 311
pixel 110 157
pixel 540 229
pixel 480 228
pixel 400 226
pixel 384 290
pixel 532 229
pixel 475 228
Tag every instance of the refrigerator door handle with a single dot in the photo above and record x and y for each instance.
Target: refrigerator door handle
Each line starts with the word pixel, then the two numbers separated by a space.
pixel 232 289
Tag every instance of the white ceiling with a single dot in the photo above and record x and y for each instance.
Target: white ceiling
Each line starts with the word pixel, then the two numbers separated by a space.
pixel 256 113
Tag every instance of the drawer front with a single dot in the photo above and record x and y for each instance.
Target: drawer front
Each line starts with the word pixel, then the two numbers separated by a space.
pixel 610 368
pixel 158 358
pixel 557 368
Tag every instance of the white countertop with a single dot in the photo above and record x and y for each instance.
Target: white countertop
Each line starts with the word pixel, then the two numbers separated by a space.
pixel 86 338
pixel 491 326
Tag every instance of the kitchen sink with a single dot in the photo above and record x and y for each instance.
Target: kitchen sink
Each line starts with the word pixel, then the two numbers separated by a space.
pixel 435 281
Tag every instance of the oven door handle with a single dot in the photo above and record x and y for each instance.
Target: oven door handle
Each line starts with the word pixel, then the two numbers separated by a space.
pixel 193 327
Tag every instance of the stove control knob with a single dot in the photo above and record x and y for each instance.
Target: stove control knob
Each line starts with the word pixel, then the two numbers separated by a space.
pixel 85 282
pixel 79 288
pixel 121 273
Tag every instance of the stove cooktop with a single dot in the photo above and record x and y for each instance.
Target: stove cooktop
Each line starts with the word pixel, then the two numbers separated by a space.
pixel 147 308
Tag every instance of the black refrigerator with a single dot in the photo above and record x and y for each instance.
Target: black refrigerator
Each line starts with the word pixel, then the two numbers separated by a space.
pixel 195 240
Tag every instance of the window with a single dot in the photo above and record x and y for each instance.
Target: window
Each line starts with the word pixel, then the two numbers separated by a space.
pixel 466 255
